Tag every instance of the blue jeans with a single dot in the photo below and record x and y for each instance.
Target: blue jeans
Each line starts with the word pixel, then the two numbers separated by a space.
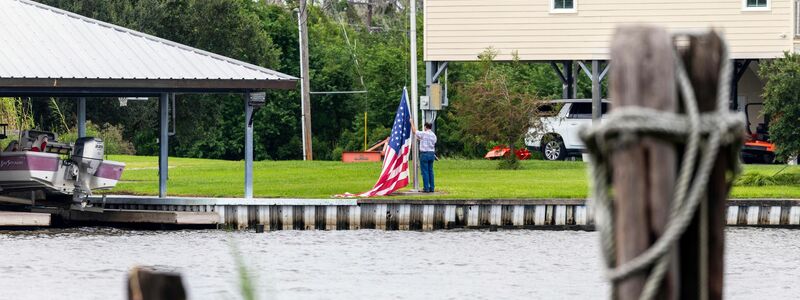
pixel 426 164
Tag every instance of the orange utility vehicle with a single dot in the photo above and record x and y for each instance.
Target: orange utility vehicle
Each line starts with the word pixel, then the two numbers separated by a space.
pixel 757 149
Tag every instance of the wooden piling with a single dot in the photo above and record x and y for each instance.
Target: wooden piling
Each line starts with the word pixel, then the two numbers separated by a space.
pixel 645 168
pixel 644 173
pixel 703 61
pixel 148 284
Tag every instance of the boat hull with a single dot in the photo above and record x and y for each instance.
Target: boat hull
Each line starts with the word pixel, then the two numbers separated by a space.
pixel 48 172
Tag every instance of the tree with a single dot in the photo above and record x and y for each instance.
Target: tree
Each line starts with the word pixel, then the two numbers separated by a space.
pixel 782 103
pixel 265 33
pixel 493 110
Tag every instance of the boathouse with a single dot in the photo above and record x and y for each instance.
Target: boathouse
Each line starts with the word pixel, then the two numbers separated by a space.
pixel 48 52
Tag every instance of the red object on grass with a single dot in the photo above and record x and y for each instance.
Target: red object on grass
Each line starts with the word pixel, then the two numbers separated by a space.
pixel 503 151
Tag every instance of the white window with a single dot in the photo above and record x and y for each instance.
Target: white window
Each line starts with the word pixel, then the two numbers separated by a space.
pixel 756 5
pixel 563 6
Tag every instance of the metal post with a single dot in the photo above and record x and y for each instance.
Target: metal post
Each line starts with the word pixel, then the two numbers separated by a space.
pixel 734 104
pixel 163 168
pixel 81 117
pixel 412 17
pixel 248 149
pixel 596 103
pixel 739 68
pixel 566 76
pixel 430 68
pixel 570 75
pixel 574 79
pixel 305 84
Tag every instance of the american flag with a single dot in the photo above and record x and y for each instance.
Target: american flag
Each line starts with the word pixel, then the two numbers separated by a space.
pixel 394 173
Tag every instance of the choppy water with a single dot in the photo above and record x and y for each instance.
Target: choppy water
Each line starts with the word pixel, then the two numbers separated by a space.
pixel 366 264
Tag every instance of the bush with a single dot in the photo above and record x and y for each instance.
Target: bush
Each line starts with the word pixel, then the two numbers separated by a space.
pixel 758 179
pixel 337 153
pixel 755 179
pixel 510 163
pixel 782 103
pixel 110 134
pixel 492 109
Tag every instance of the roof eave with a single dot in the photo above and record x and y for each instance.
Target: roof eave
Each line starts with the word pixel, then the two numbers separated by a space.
pixel 149 84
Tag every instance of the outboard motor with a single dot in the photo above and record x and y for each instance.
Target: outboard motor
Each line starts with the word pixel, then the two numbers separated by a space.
pixel 86 158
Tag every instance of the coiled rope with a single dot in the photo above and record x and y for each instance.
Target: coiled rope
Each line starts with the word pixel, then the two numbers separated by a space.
pixel 703 135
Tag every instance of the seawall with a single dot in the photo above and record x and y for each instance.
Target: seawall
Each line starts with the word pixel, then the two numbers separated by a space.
pixel 391 214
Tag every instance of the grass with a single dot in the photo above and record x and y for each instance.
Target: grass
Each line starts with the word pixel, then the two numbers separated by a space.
pixel 456 179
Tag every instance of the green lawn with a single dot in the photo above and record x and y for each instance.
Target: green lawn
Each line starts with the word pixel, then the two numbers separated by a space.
pixel 457 179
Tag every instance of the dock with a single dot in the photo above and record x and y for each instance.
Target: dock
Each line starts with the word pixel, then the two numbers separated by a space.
pixel 423 215
pixel 24 219
pixel 132 217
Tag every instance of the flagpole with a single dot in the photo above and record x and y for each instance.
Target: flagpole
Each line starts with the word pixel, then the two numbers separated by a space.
pixel 413 32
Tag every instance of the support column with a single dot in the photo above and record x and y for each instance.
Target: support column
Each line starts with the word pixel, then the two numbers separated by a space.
pixel 596 92
pixel 575 71
pixel 569 88
pixel 248 148
pixel 739 68
pixel 567 77
pixel 163 168
pixel 430 68
pixel 81 117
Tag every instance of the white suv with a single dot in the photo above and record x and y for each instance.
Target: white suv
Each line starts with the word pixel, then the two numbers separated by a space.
pixel 561 123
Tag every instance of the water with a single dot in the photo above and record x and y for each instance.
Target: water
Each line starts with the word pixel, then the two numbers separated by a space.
pixel 92 263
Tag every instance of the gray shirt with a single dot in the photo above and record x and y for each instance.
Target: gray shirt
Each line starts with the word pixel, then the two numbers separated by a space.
pixel 427 141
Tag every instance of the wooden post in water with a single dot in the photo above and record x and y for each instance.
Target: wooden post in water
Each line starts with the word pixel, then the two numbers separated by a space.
pixel 644 173
pixel 703 61
pixel 147 284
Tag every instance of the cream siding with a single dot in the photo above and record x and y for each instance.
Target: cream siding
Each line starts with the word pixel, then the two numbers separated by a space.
pixel 458 30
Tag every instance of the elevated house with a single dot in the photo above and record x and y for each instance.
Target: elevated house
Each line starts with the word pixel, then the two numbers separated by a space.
pixel 574 35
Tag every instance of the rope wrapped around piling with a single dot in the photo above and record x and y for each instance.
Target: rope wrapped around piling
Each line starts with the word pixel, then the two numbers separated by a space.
pixel 702 134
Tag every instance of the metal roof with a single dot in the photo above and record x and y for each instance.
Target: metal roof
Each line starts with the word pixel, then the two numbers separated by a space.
pixel 45 49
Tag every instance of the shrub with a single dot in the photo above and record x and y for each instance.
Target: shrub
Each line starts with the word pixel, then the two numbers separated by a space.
pixel 758 179
pixel 511 163
pixel 110 134
pixel 755 179
pixel 491 109
pixel 782 102
pixel 337 153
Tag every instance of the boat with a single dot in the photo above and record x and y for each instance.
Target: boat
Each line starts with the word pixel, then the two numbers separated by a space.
pixel 37 161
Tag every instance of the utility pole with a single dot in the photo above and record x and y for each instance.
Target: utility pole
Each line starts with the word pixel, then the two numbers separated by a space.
pixel 369 4
pixel 305 85
pixel 412 17
pixel 369 15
